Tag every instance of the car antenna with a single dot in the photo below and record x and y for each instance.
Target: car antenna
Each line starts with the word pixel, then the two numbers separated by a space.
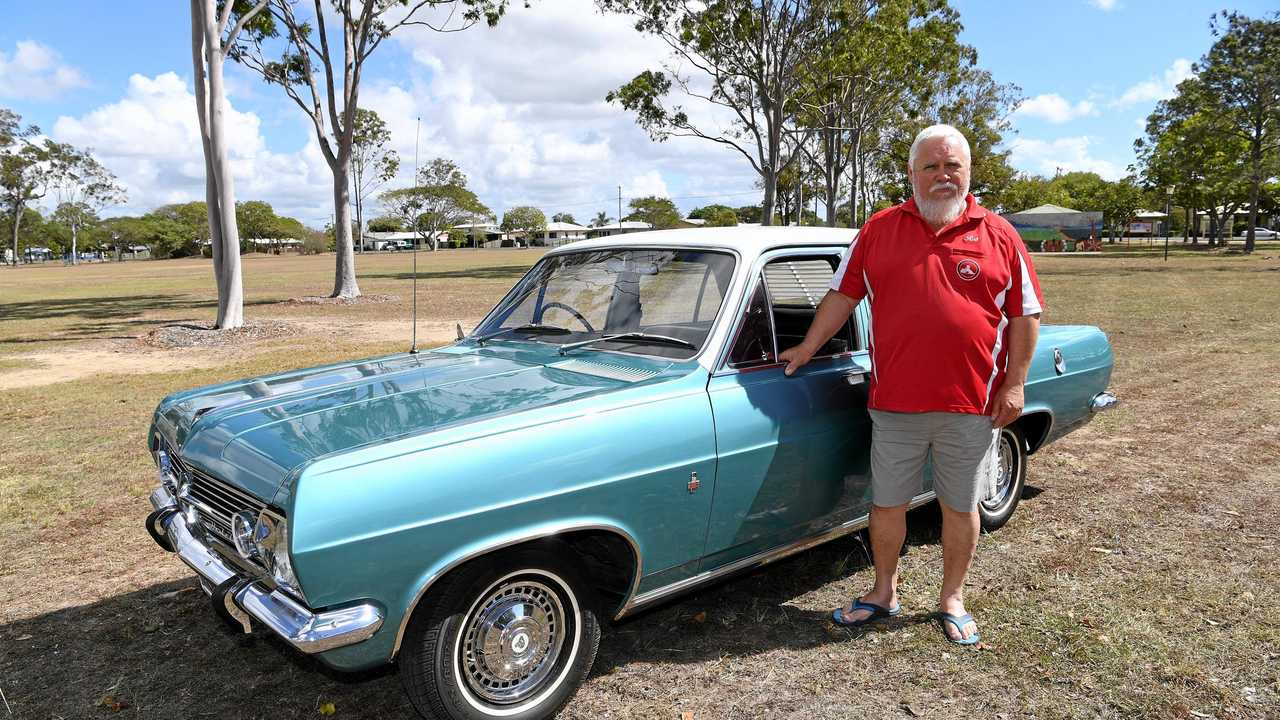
pixel 413 347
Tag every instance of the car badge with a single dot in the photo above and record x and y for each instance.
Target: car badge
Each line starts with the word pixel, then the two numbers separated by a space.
pixel 694 484
pixel 968 269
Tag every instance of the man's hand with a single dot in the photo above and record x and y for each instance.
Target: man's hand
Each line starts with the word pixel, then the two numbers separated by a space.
pixel 795 358
pixel 1007 405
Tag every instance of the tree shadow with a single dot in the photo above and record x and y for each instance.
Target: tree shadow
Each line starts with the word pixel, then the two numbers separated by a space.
pixel 496 272
pixel 106 316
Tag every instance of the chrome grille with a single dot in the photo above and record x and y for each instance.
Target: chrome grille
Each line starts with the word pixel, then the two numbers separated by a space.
pixel 216 500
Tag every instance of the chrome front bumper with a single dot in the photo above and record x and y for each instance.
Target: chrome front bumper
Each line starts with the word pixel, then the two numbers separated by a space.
pixel 307 631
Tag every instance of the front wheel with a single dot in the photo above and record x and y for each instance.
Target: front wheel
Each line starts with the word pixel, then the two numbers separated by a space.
pixel 511 636
pixel 1011 476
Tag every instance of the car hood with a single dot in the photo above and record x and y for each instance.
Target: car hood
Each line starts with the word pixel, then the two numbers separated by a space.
pixel 253 433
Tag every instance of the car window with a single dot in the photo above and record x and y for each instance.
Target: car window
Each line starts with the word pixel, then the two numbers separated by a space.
pixel 796 286
pixel 754 342
pixel 587 295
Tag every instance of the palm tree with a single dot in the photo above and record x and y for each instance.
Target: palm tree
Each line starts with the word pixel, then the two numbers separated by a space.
pixel 601 220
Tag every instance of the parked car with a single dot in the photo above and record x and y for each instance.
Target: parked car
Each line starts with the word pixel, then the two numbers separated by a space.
pixel 1260 233
pixel 617 431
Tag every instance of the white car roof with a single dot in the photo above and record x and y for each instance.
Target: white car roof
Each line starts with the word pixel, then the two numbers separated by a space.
pixel 750 241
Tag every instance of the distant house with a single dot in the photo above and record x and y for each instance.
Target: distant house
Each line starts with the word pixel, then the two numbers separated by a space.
pixel 627 226
pixel 559 233
pixel 276 245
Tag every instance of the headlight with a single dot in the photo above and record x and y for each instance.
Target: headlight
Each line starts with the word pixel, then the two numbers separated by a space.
pixel 271 540
pixel 164 470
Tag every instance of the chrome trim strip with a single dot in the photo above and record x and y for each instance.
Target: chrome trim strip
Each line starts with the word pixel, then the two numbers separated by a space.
pixel 307 631
pixel 543 533
pixel 1103 401
pixel 760 559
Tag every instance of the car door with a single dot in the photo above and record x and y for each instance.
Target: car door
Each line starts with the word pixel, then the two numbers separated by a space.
pixel 793 452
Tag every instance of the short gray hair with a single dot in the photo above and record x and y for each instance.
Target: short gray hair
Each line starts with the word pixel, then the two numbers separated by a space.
pixel 938 131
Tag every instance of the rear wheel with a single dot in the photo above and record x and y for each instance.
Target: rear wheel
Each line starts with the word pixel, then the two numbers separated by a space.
pixel 1011 452
pixel 511 636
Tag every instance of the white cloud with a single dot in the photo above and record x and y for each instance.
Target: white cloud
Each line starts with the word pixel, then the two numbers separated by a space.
pixel 150 139
pixel 521 108
pixel 1104 5
pixel 1046 157
pixel 36 72
pixel 1156 88
pixel 1055 109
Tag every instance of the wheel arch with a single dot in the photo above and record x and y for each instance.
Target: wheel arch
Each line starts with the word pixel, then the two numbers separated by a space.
pixel 610 554
pixel 1035 425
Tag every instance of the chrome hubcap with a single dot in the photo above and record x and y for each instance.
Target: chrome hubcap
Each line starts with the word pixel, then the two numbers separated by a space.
pixel 1004 472
pixel 512 641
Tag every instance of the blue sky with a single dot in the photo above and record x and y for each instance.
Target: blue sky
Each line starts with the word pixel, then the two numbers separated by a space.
pixel 521 107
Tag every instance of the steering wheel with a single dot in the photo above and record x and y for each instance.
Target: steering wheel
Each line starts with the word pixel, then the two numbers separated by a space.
pixel 571 311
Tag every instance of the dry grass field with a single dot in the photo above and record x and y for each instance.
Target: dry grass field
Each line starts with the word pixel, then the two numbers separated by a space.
pixel 1138 578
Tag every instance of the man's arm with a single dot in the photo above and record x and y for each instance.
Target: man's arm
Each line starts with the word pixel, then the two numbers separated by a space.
pixel 832 313
pixel 1007 405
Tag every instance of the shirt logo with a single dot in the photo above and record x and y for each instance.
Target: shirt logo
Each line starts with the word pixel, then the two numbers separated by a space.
pixel 971 237
pixel 968 269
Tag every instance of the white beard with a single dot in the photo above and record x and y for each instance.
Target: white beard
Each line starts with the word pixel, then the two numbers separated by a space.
pixel 941 213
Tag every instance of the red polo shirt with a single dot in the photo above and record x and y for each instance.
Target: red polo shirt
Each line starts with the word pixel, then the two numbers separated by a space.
pixel 940 306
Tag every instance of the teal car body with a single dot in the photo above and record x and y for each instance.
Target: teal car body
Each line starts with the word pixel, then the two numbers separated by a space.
pixel 667 467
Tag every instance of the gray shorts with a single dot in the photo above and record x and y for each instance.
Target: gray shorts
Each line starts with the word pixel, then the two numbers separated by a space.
pixel 963 448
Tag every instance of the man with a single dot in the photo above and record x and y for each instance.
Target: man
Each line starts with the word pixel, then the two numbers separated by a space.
pixel 955 311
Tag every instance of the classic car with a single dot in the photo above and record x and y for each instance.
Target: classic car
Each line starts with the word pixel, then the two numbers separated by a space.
pixel 616 431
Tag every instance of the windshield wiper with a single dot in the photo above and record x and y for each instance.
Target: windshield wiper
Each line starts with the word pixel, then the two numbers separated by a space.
pixel 641 336
pixel 532 329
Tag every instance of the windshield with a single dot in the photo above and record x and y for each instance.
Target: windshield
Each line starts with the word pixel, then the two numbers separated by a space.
pixel 581 296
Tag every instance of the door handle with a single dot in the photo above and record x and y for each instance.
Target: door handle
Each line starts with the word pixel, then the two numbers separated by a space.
pixel 857 375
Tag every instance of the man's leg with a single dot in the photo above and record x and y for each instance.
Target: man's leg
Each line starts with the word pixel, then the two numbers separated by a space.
pixel 899 447
pixel 959 541
pixel 960 447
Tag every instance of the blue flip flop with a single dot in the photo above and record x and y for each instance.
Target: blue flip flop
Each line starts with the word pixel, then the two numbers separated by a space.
pixel 877 612
pixel 958 621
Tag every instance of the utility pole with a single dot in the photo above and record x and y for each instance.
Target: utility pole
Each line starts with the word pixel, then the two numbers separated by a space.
pixel 619 208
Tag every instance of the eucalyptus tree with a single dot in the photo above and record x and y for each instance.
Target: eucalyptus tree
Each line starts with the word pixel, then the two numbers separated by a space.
pixel 318 58
pixel 875 60
pixel 439 200
pixel 1241 73
pixel 82 187
pixel 218 29
pixel 742 58
pixel 373 163
pixel 24 170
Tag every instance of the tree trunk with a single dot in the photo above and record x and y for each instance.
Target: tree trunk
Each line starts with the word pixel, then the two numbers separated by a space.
pixel 219 186
pixel 344 276
pixel 1255 183
pixel 75 256
pixel 17 222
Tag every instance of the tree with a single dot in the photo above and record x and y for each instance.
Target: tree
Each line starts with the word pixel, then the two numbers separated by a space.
pixel 439 201
pixel 875 59
pixel 82 188
pixel 217 29
pixel 564 218
pixel 24 171
pixel 529 222
pixel 308 59
pixel 1119 203
pixel 660 213
pixel 707 211
pixel 746 58
pixel 372 162
pixel 1186 147
pixel 387 223
pixel 601 219
pixel 722 217
pixel 1241 73
pixel 749 214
